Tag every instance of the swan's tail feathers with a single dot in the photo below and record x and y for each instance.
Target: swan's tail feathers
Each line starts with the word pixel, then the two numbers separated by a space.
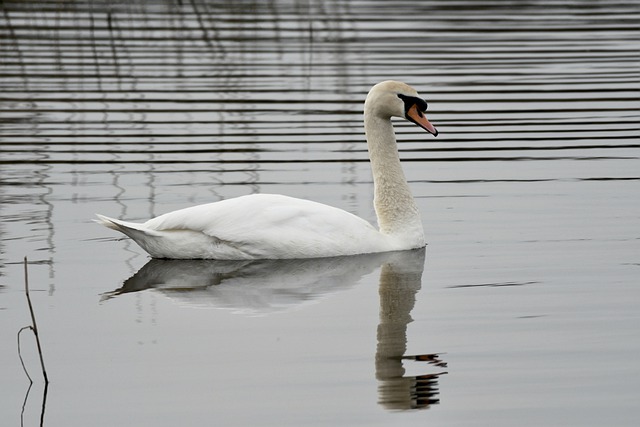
pixel 107 222
pixel 131 229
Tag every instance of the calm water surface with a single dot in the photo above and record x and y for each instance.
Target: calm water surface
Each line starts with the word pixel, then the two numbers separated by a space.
pixel 523 310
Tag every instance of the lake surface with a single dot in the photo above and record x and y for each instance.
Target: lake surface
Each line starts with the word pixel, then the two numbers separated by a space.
pixel 523 310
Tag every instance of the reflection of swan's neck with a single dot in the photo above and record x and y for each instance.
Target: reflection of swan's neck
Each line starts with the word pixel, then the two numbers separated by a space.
pixel 399 283
pixel 396 210
pixel 397 290
pixel 400 280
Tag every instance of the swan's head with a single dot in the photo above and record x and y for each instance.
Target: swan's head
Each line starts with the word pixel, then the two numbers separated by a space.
pixel 396 99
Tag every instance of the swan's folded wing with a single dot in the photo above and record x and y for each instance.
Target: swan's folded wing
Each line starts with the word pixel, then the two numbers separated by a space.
pixel 275 226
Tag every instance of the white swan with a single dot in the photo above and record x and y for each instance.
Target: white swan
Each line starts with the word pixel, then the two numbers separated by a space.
pixel 269 226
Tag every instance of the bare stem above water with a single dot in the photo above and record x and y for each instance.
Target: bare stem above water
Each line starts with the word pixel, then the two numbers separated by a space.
pixel 33 327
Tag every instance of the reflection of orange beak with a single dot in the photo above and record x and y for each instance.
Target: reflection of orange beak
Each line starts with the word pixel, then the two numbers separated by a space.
pixel 417 117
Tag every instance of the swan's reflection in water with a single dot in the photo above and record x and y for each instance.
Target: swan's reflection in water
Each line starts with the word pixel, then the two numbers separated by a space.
pixel 266 286
pixel 400 280
pixel 251 287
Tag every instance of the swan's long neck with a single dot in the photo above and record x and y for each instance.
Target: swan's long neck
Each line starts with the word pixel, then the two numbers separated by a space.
pixel 397 212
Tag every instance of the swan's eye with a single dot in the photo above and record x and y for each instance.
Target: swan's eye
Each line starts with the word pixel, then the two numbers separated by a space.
pixel 410 101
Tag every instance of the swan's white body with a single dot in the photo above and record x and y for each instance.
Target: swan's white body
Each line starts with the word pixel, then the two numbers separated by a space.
pixel 258 226
pixel 269 226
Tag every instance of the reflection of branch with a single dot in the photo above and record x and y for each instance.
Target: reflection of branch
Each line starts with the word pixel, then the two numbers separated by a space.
pixel 26 396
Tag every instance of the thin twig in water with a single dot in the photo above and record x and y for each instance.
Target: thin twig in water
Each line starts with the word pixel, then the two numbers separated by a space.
pixel 33 327
pixel 20 354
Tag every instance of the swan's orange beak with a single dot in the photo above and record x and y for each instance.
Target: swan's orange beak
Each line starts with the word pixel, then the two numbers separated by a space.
pixel 418 117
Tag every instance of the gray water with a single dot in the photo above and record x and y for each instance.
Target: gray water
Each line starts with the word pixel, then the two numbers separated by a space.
pixel 522 311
